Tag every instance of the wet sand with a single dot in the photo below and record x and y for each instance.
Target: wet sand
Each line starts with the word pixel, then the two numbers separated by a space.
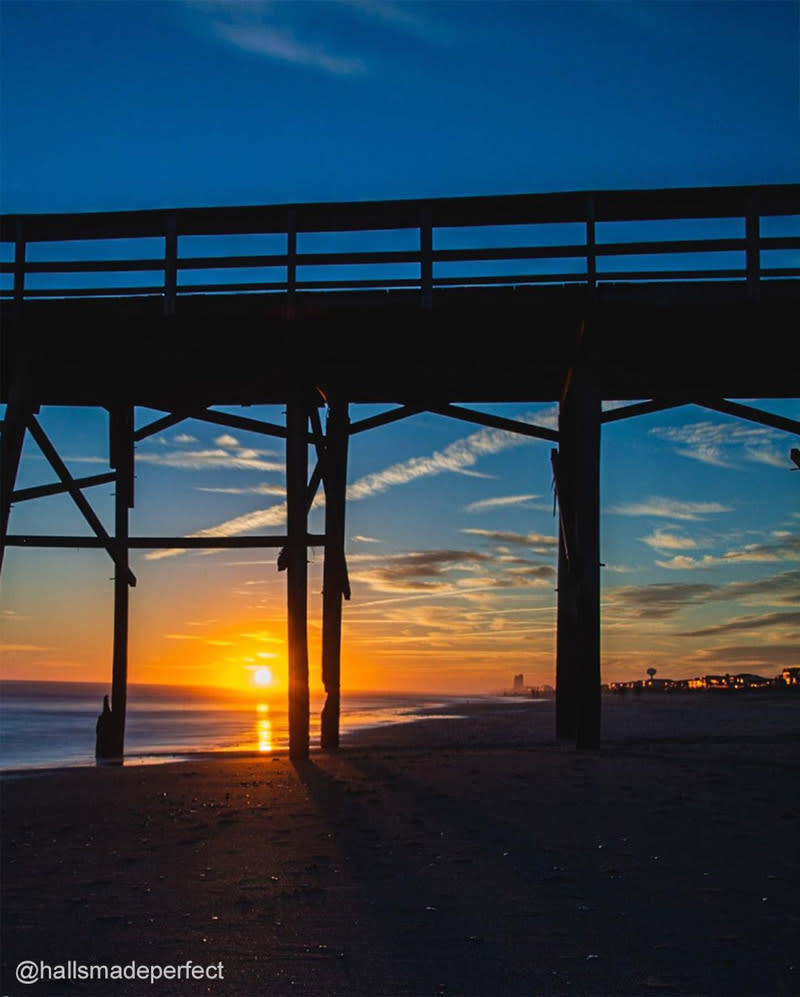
pixel 470 856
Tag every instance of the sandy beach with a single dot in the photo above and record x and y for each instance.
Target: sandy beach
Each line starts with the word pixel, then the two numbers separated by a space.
pixel 468 856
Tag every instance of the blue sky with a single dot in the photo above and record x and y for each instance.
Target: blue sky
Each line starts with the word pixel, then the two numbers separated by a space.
pixel 121 105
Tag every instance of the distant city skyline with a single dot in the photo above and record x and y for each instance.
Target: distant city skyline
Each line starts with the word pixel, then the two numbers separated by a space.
pixel 451 536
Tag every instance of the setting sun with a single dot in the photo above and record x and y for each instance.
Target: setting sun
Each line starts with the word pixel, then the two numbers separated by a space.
pixel 262 676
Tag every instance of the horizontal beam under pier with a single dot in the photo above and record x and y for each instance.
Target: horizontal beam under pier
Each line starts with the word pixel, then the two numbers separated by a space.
pixel 162 543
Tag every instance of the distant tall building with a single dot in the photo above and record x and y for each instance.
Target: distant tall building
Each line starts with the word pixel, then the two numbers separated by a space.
pixel 519 681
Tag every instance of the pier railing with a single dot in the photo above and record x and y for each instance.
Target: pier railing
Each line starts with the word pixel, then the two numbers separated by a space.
pixel 743 234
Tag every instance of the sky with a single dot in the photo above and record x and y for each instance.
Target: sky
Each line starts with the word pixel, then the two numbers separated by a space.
pixel 450 533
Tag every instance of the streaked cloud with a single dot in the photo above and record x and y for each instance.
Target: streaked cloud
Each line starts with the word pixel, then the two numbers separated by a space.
pixel 503 501
pixel 786 547
pixel 262 489
pixel 782 588
pixel 740 657
pixel 450 572
pixel 655 602
pixel 217 459
pixel 365 540
pixel 788 618
pixel 665 599
pixel 459 456
pixel 540 543
pixel 328 42
pixel 282 45
pixel 668 508
pixel 726 444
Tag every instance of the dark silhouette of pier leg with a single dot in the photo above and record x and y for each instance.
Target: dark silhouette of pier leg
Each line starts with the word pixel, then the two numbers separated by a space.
pixel 104 734
pixel 566 627
pixel 18 411
pixel 122 457
pixel 335 584
pixel 578 639
pixel 297 573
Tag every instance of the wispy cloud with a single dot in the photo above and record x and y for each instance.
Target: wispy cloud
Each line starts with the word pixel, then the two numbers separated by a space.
pixel 450 572
pixel 458 456
pixel 364 540
pixel 282 45
pixel 788 618
pixel 503 501
pixel 262 489
pixel 662 540
pixel 330 40
pixel 245 459
pixel 539 543
pixel 665 599
pixel 746 656
pixel 726 444
pixel 786 547
pixel 668 508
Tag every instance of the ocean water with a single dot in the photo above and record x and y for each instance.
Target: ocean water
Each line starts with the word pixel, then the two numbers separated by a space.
pixel 47 724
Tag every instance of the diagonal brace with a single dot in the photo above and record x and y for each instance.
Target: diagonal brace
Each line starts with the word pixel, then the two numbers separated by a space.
pixel 78 497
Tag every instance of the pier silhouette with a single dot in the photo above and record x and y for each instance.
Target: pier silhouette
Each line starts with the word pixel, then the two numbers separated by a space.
pixel 428 324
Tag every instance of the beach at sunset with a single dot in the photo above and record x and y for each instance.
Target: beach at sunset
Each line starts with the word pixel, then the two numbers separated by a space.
pixel 399 520
pixel 468 855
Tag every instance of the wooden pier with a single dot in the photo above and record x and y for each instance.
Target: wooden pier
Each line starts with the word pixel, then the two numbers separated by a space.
pixel 704 316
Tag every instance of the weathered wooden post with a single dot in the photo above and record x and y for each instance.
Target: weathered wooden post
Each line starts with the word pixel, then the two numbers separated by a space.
pixel 297 572
pixel 578 700
pixel 566 605
pixel 122 461
pixel 335 584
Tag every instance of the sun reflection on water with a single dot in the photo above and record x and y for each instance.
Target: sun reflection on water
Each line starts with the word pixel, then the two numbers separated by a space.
pixel 263 728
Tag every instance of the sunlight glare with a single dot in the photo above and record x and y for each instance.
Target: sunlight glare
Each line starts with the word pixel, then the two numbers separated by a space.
pixel 262 676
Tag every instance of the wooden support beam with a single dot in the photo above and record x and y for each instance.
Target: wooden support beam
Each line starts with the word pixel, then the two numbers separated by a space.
pixel 122 460
pixel 218 419
pixel 78 497
pixel 19 410
pixel 297 574
pixel 494 421
pixel 159 425
pixel 384 418
pixel 56 488
pixel 749 413
pixel 566 606
pixel 335 584
pixel 640 408
pixel 578 638
pixel 240 422
pixel 159 543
